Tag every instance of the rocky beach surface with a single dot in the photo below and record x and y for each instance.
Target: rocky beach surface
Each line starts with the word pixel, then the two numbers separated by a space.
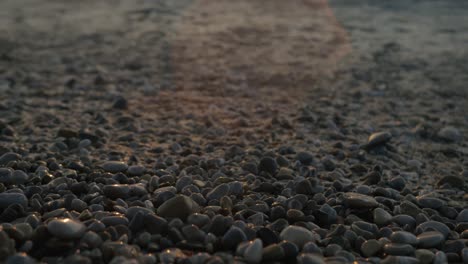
pixel 206 132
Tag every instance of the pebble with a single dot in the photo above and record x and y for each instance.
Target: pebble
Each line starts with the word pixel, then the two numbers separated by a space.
pixel 424 256
pixel 430 239
pixel 462 216
pixel 381 217
pixel 116 191
pixel 297 235
pixel 7 199
pixel 306 158
pixel 378 138
pixel 251 251
pixel 179 206
pixel 404 237
pixel 311 259
pixel 233 237
pixel 114 166
pixel 218 192
pixel 370 248
pixel 20 258
pixel 268 165
pixel 7 157
pixel 6 175
pixel 398 249
pixel 399 260
pixel 430 202
pixel 433 226
pixel 450 134
pixel 19 177
pixel 66 228
pixel 357 200
pixel 136 170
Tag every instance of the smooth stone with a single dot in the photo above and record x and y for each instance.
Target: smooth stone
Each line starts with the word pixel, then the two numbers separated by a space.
pixel 357 200
pixel 252 251
pixel 452 181
pixel 6 175
pixel 450 134
pixel 307 258
pixel 430 202
pixel 403 237
pixel 233 237
pixel 116 191
pixel 378 138
pixel 462 216
pixel 179 206
pixel 297 235
pixel 430 239
pixel 381 217
pixel 306 158
pixel 268 165
pixel 433 226
pixel 78 205
pixel 7 157
pixel 114 166
pixel 7 199
pixel 424 256
pixel 398 249
pixel 66 228
pixel 114 220
pixel 7 245
pixel 399 260
pixel 136 170
pixel 272 252
pixel 155 224
pixel 20 258
pixel 218 192
pixel 19 177
pixel 440 258
pixel 370 248
pixel 199 220
pixel 132 211
pixel 464 255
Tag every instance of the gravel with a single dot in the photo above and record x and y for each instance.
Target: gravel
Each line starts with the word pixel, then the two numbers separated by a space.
pixel 103 162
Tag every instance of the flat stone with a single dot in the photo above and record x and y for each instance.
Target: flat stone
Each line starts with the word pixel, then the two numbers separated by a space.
pixel 430 202
pixel 114 166
pixel 136 170
pixel 398 249
pixel 114 220
pixel 7 199
pixel 430 239
pixel 66 228
pixel 357 200
pixel 403 237
pixel 433 226
pixel 116 191
pixel 297 235
pixel 179 206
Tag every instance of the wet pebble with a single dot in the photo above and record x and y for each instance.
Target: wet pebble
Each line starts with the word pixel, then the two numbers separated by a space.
pixel 357 200
pixel 7 199
pixel 430 239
